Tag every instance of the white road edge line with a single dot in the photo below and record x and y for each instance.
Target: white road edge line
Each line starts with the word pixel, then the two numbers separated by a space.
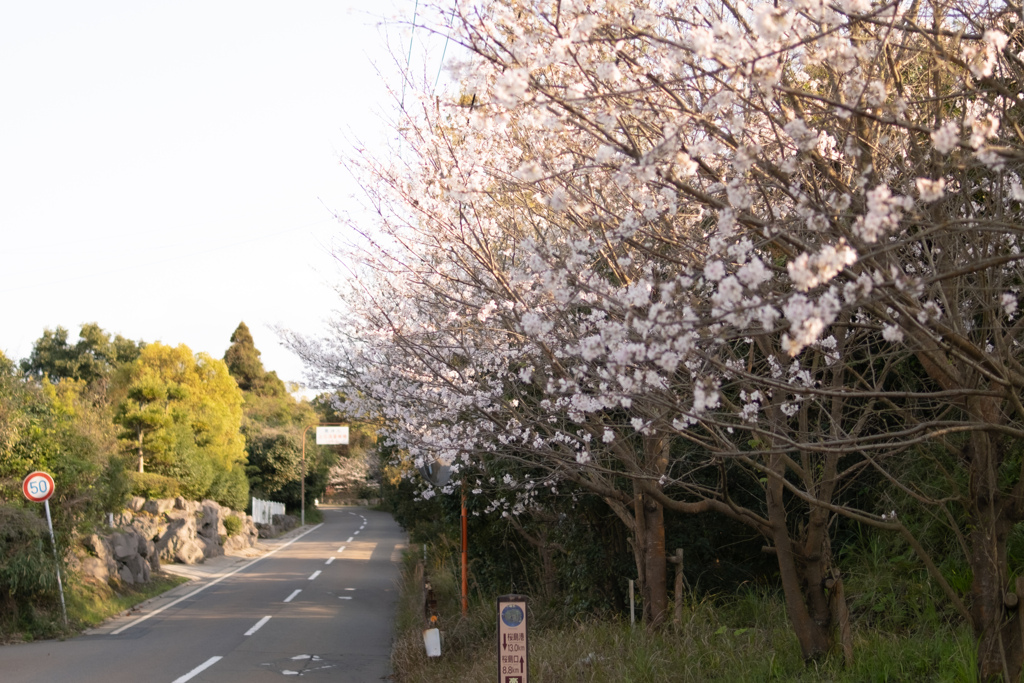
pixel 329 560
pixel 314 575
pixel 215 581
pixel 257 625
pixel 292 596
pixel 198 670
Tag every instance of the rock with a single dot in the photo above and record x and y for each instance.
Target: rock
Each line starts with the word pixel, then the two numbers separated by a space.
pixel 150 526
pixel 285 522
pixel 101 549
pixel 190 553
pixel 125 544
pixel 139 569
pixel 211 547
pixel 123 518
pixel 179 543
pixel 135 503
pixel 125 574
pixel 94 568
pixel 210 525
pixel 156 506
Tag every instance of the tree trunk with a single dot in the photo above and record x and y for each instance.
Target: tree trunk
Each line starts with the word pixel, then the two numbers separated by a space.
pixel 811 633
pixel 141 460
pixel 1000 651
pixel 655 563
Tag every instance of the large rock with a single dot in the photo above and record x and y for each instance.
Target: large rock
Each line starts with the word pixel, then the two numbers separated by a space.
pixel 179 543
pixel 211 547
pixel 210 524
pixel 151 527
pixel 94 568
pixel 136 503
pixel 101 549
pixel 156 506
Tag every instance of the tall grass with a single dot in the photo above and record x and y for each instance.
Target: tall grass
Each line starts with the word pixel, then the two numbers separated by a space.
pixel 739 638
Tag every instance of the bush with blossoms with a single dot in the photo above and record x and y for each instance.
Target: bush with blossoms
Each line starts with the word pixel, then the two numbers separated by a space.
pixel 661 250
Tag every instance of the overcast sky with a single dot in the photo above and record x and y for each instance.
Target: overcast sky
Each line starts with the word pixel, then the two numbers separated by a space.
pixel 170 169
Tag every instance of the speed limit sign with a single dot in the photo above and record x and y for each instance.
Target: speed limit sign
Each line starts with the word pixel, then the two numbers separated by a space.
pixel 38 487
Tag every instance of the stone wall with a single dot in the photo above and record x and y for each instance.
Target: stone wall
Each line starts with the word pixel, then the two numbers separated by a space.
pixel 149 532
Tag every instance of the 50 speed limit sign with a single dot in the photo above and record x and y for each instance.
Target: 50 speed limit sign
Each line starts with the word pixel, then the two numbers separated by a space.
pixel 38 487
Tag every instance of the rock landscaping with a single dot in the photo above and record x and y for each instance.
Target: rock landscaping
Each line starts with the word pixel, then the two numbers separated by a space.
pixel 150 532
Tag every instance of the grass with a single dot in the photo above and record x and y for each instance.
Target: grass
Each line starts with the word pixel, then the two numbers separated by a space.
pixel 738 639
pixel 91 604
pixel 88 604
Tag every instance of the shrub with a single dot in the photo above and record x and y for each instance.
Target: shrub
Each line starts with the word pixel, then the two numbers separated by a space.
pixel 233 525
pixel 149 485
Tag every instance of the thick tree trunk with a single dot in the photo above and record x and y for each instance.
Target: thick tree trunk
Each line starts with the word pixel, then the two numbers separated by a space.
pixel 655 585
pixel 802 606
pixel 1000 651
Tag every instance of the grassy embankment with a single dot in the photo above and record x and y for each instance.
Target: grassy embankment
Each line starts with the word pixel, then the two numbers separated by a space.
pixel 736 639
pixel 88 605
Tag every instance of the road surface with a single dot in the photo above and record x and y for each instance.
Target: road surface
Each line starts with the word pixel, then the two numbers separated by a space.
pixel 318 607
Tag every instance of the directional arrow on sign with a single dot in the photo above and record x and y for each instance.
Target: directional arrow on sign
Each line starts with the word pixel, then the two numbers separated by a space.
pixel 504 641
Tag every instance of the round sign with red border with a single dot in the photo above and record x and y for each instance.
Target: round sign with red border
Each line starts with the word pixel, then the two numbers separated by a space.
pixel 37 487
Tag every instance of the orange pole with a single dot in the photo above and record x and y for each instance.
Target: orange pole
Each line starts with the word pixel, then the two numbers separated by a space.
pixel 465 555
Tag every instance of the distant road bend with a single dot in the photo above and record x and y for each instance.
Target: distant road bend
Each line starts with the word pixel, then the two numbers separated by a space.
pixel 320 607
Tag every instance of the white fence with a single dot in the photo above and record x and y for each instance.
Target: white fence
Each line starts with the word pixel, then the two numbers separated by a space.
pixel 263 511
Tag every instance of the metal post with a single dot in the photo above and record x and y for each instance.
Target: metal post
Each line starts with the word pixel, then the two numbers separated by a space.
pixel 53 540
pixel 465 555
pixel 632 612
pixel 303 477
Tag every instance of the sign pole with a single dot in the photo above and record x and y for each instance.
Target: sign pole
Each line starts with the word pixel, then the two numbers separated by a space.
pixel 53 540
pixel 38 487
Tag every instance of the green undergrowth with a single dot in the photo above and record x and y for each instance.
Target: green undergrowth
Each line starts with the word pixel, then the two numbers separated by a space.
pixel 738 638
pixel 88 605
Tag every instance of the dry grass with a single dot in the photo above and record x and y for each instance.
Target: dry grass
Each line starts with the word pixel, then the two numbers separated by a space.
pixel 743 638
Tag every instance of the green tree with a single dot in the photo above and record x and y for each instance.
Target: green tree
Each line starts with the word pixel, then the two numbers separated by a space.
pixel 94 356
pixel 244 364
pixel 273 427
pixel 188 409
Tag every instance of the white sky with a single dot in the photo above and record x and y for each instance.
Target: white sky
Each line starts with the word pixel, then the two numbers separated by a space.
pixel 169 169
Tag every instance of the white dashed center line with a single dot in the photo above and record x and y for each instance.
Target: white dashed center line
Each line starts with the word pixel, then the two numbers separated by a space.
pixel 342 547
pixel 292 596
pixel 257 625
pixel 314 575
pixel 329 560
pixel 198 670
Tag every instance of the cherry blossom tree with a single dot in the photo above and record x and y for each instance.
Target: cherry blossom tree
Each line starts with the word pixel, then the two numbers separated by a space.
pixel 653 247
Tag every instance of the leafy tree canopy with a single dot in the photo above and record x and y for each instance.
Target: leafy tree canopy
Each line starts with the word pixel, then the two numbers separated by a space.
pixel 92 357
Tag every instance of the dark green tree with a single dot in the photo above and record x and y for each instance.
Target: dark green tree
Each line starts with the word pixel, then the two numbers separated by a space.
pixel 244 364
pixel 94 356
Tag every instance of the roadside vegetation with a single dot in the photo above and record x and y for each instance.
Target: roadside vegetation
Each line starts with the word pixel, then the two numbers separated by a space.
pixel 739 636
pixel 110 418
pixel 741 279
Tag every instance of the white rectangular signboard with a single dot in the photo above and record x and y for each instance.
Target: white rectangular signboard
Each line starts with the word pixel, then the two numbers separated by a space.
pixel 332 436
pixel 513 654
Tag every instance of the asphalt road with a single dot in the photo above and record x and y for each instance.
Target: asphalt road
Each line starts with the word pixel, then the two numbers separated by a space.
pixel 319 606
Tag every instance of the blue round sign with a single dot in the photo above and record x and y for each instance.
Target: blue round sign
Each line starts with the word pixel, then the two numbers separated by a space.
pixel 512 615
